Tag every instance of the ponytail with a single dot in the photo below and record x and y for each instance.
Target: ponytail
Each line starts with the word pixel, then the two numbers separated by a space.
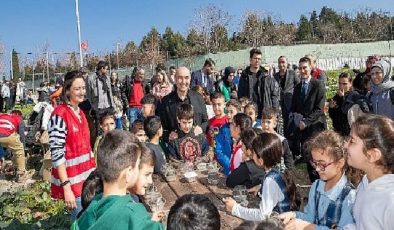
pixel 291 188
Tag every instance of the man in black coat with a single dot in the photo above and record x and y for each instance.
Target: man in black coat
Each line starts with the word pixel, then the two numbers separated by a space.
pixel 256 84
pixel 287 80
pixel 182 95
pixel 308 101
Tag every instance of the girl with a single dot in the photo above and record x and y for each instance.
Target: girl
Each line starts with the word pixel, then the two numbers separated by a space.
pixel 251 110
pixel 277 193
pixel 69 140
pixel 331 197
pixel 248 173
pixel 162 87
pixel 116 93
pixel 371 149
pixel 335 111
pixel 240 122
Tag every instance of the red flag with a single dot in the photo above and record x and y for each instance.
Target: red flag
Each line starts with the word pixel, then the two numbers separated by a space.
pixel 84 45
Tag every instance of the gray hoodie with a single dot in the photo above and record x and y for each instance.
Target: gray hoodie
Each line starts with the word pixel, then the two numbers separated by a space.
pixel 380 99
pixel 374 206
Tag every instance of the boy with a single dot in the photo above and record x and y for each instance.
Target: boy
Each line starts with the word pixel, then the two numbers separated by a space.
pixel 148 105
pixel 216 122
pixel 187 146
pixel 223 141
pixel 193 211
pixel 118 163
pixel 107 123
pixel 137 128
pixel 269 122
pixel 154 131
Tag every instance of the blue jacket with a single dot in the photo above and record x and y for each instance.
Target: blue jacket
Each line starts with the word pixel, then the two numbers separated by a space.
pixel 223 148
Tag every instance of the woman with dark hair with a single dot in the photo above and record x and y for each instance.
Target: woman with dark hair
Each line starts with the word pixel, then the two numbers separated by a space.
pixel 226 85
pixel 69 140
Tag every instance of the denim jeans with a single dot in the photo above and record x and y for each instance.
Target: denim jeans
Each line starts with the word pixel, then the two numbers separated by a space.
pixel 133 114
pixel 77 210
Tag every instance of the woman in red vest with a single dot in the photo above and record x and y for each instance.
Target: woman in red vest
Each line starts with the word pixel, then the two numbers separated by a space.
pixel 69 139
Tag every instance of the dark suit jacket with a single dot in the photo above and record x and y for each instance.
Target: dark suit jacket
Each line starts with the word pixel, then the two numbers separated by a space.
pixel 312 108
pixel 286 94
pixel 197 80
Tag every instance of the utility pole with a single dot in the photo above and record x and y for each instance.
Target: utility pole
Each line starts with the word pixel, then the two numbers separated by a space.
pixel 79 33
pixel 47 65
pixel 12 68
pixel 117 55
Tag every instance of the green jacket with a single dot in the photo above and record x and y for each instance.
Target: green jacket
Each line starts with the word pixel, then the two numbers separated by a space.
pixel 115 212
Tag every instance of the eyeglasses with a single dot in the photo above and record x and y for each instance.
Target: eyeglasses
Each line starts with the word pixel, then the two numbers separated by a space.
pixel 322 166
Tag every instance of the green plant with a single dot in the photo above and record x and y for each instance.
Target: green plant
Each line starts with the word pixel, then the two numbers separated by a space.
pixel 32 208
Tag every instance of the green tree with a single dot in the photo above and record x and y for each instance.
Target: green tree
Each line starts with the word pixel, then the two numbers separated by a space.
pixel 304 31
pixel 173 43
pixel 15 66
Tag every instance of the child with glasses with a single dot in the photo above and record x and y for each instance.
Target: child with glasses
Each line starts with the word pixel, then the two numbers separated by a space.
pixel 331 197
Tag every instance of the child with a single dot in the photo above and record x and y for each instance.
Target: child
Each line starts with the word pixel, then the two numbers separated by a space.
pixel 269 122
pixel 205 95
pixel 147 163
pixel 244 101
pixel 118 164
pixel 223 141
pixel 335 111
pixel 219 119
pixel 193 211
pixel 371 149
pixel 277 193
pixel 240 122
pixel 154 131
pixel 251 110
pixel 148 105
pixel 107 123
pixel 137 128
pixel 92 186
pixel 332 196
pixel 187 146
pixel 248 173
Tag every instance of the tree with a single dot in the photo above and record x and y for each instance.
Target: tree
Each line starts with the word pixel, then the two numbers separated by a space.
pixel 15 66
pixel 173 43
pixel 252 29
pixel 304 31
pixel 194 43
pixel 219 38
pixel 150 48
pixel 204 23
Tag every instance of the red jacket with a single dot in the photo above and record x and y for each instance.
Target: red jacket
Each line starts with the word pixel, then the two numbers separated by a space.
pixel 79 160
pixel 9 124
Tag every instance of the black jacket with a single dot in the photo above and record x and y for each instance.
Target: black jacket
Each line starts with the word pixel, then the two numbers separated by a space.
pixel 167 111
pixel 261 89
pixel 248 174
pixel 339 117
pixel 286 92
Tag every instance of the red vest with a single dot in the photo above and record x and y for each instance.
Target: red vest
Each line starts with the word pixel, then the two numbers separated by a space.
pixel 79 160
pixel 9 123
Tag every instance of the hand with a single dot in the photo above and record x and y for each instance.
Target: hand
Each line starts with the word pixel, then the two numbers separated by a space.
pixel 302 125
pixel 341 92
pixel 332 104
pixel 173 136
pixel 197 130
pixel 286 217
pixel 69 197
pixel 229 202
pixel 158 216
pixel 297 224
pixel 254 189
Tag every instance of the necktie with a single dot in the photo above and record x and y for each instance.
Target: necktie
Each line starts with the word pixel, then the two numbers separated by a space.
pixel 304 90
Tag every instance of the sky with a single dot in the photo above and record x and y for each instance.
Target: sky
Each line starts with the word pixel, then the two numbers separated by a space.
pixel 27 25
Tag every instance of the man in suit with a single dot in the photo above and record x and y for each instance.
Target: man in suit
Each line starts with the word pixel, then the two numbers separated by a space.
pixel 287 80
pixel 308 101
pixel 204 76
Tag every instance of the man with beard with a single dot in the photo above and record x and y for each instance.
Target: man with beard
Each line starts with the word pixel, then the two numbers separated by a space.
pixel 205 76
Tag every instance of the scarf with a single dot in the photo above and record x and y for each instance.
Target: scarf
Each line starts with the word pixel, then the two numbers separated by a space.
pixel 387 82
